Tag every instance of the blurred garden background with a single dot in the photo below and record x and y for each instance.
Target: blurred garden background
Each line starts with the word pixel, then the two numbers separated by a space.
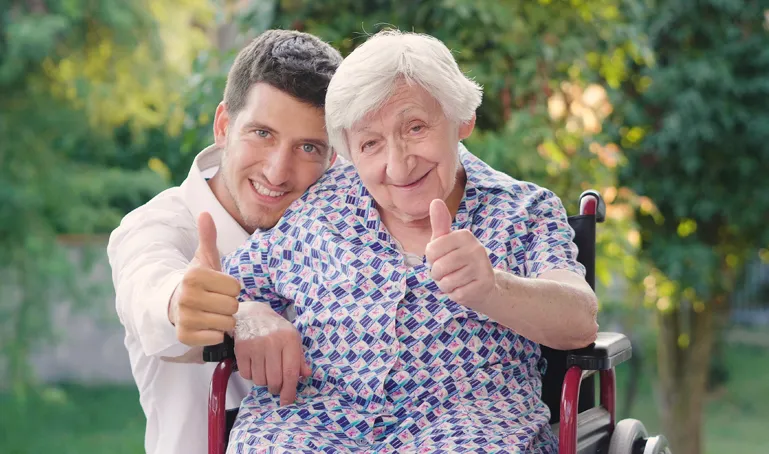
pixel 661 105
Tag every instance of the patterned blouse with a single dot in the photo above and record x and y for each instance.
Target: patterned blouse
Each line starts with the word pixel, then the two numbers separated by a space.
pixel 398 366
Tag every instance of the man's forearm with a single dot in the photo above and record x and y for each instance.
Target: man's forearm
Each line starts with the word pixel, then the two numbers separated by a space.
pixel 555 313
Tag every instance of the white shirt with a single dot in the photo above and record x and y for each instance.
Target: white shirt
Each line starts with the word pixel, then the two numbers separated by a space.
pixel 149 253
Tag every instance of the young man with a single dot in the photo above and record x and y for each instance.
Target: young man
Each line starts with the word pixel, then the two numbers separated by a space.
pixel 270 146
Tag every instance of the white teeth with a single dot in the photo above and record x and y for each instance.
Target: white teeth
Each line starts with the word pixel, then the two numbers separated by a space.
pixel 264 191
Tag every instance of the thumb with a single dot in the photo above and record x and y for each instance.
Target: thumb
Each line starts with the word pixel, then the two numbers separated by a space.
pixel 207 253
pixel 440 219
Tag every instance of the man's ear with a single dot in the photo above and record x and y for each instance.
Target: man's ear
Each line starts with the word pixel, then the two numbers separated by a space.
pixel 466 128
pixel 221 123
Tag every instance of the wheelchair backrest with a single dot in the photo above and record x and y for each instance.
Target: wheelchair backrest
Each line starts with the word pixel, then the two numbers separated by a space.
pixel 552 382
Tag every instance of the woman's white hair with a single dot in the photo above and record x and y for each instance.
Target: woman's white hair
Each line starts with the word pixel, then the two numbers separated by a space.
pixel 368 77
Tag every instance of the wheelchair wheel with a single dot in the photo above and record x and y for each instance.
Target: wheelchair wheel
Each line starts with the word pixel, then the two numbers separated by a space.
pixel 657 445
pixel 629 437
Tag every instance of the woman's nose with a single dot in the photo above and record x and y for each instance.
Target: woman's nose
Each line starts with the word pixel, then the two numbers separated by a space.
pixel 399 162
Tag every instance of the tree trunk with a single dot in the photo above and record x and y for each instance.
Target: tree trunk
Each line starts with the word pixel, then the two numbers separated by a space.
pixel 683 373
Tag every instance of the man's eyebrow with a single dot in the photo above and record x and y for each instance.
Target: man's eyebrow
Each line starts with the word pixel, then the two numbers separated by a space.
pixel 257 125
pixel 318 142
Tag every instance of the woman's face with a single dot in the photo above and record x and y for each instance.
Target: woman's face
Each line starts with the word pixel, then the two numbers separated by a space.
pixel 407 153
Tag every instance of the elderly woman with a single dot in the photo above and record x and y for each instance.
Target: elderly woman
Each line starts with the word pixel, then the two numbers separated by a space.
pixel 423 281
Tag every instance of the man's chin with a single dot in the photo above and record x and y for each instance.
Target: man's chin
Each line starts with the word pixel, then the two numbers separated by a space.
pixel 262 223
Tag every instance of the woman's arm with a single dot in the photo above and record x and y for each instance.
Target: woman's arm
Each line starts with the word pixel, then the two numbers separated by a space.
pixel 557 309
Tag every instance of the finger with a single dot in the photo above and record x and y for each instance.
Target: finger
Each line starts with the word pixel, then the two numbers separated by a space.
pixel 209 302
pixel 438 248
pixel 306 369
pixel 440 219
pixel 207 253
pixel 201 321
pixel 448 263
pixel 293 358
pixel 457 279
pixel 213 281
pixel 455 240
pixel 274 369
pixel 244 365
pixel 199 338
pixel 258 368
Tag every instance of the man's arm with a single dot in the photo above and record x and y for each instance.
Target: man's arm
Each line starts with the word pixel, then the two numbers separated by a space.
pixel 149 253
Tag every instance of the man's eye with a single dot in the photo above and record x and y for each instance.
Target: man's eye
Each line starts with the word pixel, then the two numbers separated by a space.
pixel 262 133
pixel 309 148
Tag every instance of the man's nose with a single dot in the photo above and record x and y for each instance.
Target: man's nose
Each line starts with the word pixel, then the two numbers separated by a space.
pixel 278 166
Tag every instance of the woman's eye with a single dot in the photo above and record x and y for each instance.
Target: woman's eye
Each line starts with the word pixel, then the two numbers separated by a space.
pixel 367 145
pixel 417 128
pixel 309 148
pixel 262 133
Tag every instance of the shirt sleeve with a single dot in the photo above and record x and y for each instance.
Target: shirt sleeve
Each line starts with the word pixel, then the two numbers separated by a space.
pixel 149 253
pixel 249 264
pixel 550 241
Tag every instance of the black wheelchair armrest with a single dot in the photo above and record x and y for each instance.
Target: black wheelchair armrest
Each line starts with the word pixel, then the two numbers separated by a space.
pixel 608 351
pixel 220 352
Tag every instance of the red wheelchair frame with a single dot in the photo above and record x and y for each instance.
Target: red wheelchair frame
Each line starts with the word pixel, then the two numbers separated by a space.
pixel 582 427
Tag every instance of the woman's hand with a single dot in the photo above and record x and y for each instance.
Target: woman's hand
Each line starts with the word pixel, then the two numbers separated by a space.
pixel 268 349
pixel 460 264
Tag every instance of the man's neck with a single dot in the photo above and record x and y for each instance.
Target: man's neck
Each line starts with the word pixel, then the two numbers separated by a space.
pixel 222 194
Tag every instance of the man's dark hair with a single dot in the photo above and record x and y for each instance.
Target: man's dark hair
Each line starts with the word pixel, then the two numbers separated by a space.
pixel 296 63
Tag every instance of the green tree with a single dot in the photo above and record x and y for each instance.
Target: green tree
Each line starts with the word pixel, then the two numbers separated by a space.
pixel 542 64
pixel 695 130
pixel 83 85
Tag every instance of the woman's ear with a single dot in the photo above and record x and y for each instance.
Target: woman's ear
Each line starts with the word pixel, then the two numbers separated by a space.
pixel 466 128
pixel 221 123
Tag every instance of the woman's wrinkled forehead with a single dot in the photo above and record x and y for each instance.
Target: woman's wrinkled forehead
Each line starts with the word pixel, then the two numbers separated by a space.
pixel 407 101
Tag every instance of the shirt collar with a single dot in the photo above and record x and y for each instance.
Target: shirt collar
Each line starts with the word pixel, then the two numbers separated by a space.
pixel 199 198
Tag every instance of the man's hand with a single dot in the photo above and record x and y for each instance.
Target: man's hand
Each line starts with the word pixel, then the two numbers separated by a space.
pixel 460 264
pixel 268 349
pixel 204 304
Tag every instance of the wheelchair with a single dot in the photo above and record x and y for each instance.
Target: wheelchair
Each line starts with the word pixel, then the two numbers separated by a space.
pixel 568 385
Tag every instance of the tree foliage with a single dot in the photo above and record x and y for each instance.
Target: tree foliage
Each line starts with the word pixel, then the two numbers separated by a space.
pixel 83 84
pixel 543 65
pixel 694 129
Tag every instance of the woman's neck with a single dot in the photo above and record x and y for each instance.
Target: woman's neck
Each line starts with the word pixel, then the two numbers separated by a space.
pixel 414 235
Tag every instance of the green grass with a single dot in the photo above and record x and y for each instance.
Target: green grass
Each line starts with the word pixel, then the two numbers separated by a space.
pixel 735 416
pixel 75 419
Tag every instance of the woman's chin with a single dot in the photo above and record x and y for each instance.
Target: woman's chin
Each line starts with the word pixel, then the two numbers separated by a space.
pixel 411 213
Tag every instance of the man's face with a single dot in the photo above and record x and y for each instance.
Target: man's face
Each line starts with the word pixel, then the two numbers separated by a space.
pixel 274 149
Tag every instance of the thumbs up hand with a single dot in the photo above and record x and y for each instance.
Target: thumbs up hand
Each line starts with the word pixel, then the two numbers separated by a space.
pixel 460 264
pixel 204 304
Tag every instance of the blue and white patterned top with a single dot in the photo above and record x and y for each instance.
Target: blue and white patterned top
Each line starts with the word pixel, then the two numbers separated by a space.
pixel 398 366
